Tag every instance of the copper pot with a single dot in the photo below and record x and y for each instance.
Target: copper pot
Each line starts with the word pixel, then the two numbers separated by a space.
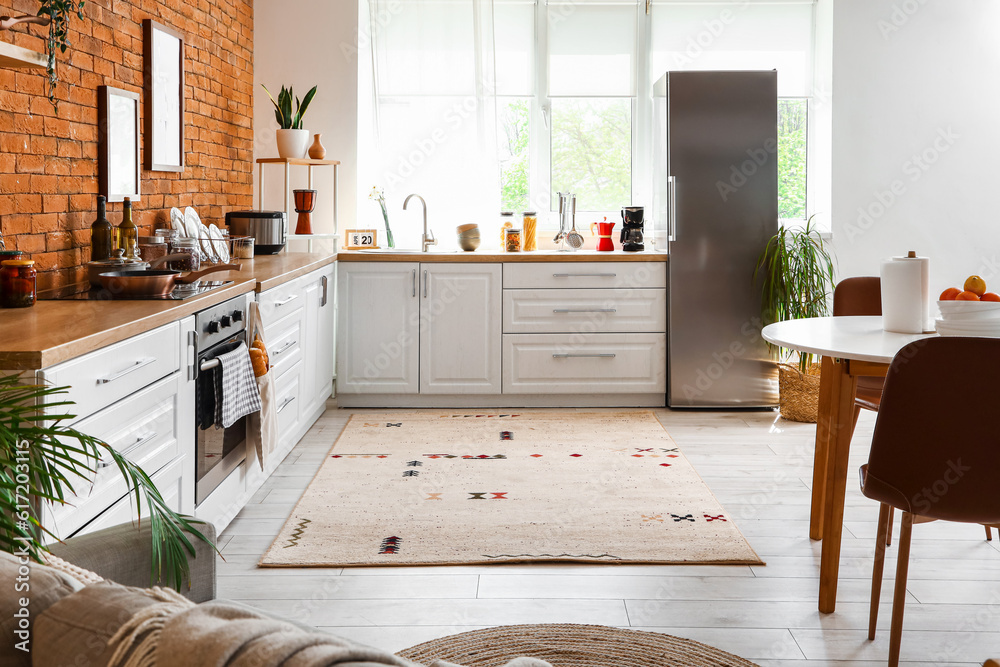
pixel 154 282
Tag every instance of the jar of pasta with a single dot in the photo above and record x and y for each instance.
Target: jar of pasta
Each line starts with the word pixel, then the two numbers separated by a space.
pixel 530 225
pixel 512 240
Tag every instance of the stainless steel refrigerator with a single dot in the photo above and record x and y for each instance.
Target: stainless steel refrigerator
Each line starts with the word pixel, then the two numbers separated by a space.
pixel 715 205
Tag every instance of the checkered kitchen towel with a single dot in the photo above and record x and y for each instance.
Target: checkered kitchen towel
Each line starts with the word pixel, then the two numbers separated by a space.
pixel 236 392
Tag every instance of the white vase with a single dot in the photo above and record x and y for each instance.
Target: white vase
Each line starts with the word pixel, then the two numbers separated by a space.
pixel 292 143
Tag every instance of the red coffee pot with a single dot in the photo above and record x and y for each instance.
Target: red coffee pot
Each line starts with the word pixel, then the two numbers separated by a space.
pixel 604 242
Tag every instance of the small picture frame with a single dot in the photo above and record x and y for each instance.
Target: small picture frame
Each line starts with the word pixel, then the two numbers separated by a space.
pixel 360 239
pixel 118 144
pixel 163 60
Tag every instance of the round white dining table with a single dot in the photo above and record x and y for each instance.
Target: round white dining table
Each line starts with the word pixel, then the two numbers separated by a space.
pixel 851 347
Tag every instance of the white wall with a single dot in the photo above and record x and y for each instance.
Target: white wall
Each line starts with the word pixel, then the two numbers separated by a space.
pixel 916 109
pixel 305 43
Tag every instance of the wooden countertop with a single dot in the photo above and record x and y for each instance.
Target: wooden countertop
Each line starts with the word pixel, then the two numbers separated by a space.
pixel 51 332
pixel 503 257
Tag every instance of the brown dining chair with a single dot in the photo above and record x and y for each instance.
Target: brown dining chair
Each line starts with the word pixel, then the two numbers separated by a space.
pixel 931 457
pixel 862 295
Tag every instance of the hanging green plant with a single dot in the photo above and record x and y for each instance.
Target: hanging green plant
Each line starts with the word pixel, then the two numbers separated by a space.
pixel 55 15
pixel 58 11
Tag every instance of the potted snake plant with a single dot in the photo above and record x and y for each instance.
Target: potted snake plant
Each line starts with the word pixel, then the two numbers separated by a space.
pixel 795 275
pixel 42 460
pixel 291 138
pixel 55 15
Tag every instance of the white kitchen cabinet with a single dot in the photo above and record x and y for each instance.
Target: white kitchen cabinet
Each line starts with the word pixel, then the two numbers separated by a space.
pixel 318 327
pixel 460 317
pixel 378 328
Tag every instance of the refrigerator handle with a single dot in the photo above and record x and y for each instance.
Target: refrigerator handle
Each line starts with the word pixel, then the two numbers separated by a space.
pixel 671 208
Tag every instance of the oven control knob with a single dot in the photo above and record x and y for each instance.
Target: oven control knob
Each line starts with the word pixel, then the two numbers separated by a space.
pixel 213 327
pixel 237 316
pixel 226 321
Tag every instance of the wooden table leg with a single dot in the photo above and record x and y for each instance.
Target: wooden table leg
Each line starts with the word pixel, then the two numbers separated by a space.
pixel 827 378
pixel 843 391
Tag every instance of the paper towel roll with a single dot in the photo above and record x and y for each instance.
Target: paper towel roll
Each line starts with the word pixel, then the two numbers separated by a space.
pixel 905 294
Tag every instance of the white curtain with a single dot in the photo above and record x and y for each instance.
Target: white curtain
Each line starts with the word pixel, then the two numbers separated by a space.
pixel 434 115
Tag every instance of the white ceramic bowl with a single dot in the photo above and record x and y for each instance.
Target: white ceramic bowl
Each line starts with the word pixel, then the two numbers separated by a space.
pixel 969 310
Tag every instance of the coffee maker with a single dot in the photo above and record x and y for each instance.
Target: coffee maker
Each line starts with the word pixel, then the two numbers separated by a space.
pixel 631 238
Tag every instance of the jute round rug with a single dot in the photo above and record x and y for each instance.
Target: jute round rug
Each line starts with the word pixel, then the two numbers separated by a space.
pixel 568 645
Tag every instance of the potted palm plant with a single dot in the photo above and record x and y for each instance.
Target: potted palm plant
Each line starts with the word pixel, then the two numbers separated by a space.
pixel 292 140
pixel 42 460
pixel 795 274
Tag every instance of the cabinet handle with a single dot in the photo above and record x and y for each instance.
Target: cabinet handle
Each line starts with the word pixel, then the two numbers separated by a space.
pixel 425 283
pixel 131 369
pixel 281 350
pixel 414 284
pixel 603 355
pixel 578 275
pixel 279 304
pixel 585 310
pixel 326 284
pixel 284 404
pixel 142 440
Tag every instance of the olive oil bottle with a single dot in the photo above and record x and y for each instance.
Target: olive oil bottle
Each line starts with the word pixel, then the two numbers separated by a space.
pixel 128 233
pixel 102 233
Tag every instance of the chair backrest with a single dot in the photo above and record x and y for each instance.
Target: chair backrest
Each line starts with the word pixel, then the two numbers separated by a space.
pixel 936 447
pixel 858 296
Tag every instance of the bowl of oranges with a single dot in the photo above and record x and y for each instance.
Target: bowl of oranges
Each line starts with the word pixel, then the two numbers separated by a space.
pixel 972 302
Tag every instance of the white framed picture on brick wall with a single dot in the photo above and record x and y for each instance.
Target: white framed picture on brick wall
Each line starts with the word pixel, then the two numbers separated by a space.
pixel 163 59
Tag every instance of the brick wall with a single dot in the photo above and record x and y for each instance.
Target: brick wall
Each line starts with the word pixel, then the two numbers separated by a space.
pixel 48 161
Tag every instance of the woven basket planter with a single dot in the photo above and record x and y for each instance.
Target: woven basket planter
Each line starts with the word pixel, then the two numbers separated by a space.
pixel 798 398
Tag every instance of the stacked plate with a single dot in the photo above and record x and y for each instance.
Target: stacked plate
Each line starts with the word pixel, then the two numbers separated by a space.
pixel 214 244
pixel 969 318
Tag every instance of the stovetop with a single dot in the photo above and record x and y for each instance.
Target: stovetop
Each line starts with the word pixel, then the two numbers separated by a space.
pixel 80 292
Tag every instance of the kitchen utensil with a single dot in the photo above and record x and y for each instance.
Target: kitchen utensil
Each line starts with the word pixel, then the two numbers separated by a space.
pixel 562 217
pixel 154 282
pixel 604 231
pixel 192 223
pixel 219 244
pixel 116 263
pixel 177 221
pixel 468 236
pixel 632 223
pixel 205 244
pixel 573 238
pixel 266 227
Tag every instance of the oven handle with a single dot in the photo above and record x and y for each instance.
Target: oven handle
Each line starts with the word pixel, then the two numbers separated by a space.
pixel 207 365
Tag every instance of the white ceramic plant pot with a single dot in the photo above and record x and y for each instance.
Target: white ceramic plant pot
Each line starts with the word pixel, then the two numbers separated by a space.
pixel 292 143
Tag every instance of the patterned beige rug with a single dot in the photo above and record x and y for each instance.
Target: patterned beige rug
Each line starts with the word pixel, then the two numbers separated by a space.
pixel 464 487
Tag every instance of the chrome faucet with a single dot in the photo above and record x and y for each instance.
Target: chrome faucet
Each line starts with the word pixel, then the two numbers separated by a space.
pixel 427 239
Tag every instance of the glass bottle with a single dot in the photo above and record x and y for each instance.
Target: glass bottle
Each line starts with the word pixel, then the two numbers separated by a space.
pixel 128 233
pixel 102 233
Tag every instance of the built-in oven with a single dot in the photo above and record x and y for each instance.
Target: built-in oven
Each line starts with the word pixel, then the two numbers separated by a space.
pixel 218 451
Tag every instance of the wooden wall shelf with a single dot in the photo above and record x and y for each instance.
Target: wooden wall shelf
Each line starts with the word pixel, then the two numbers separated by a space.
pixel 12 55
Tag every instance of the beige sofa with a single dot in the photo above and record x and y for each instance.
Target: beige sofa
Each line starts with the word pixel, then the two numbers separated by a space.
pixel 49 618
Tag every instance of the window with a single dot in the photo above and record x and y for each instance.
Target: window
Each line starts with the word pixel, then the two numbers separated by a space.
pixel 563 90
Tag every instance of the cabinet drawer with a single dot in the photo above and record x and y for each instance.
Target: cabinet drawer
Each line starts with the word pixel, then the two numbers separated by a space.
pixel 584 363
pixel 98 379
pixel 284 344
pixel 584 310
pixel 288 395
pixel 144 428
pixel 280 302
pixel 170 482
pixel 580 275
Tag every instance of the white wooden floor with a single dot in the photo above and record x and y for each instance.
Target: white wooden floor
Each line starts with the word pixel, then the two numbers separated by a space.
pixel 759 467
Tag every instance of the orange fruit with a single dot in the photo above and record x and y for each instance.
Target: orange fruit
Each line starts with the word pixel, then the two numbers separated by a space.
pixel 990 296
pixel 949 294
pixel 976 285
pixel 967 296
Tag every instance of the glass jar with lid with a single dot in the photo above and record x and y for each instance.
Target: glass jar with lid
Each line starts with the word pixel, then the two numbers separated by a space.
pixel 186 246
pixel 530 234
pixel 512 240
pixel 506 222
pixel 17 283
